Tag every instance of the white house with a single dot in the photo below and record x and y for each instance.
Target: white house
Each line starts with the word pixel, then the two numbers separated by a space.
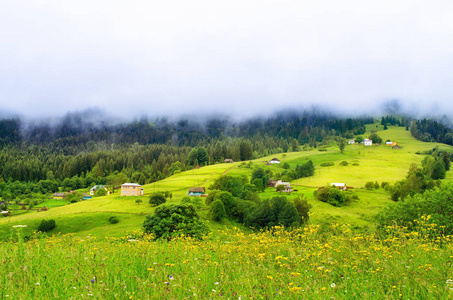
pixel 351 142
pixel 288 188
pixel 97 187
pixel 341 186
pixel 274 161
pixel 368 142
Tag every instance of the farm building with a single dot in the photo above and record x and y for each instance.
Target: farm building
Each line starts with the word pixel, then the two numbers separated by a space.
pixel 274 161
pixel 287 187
pixel 341 186
pixel 97 187
pixel 396 147
pixel 228 161
pixel 196 191
pixel 59 195
pixel 131 189
pixel 351 142
pixel 367 142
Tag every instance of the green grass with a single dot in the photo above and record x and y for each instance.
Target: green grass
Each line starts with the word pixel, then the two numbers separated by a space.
pixel 376 163
pixel 316 262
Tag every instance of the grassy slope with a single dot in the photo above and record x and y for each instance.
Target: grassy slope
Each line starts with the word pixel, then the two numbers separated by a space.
pixel 376 163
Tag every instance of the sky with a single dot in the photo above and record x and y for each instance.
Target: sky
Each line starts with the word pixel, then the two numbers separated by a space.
pixel 238 58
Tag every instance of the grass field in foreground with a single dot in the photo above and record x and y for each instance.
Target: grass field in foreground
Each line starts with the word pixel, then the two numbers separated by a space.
pixel 313 263
pixel 376 163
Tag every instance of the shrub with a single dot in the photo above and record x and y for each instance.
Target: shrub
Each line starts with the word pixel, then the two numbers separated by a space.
pixel 436 204
pixel 100 192
pixel 355 164
pixel 274 212
pixel 344 163
pixel 331 195
pixel 114 220
pixel 384 185
pixel 174 220
pixel 138 201
pixel 327 164
pixel 376 185
pixel 303 208
pixel 157 198
pixel 217 211
pixel 369 185
pixel 46 226
pixel 195 201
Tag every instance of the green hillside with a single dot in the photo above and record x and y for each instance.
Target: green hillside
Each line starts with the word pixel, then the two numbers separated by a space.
pixel 375 163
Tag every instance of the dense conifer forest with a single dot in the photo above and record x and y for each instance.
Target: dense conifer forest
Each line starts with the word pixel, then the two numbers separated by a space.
pixel 147 151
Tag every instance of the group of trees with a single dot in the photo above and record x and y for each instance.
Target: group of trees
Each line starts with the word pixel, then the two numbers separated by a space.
pixel 236 199
pixel 431 209
pixel 418 180
pixel 332 195
pixel 305 170
pixel 431 131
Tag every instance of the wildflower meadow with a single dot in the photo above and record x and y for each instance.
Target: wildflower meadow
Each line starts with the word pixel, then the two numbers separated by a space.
pixel 313 262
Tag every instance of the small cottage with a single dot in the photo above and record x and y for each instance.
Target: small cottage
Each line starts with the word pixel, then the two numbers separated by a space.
pixel 59 195
pixel 396 147
pixel 196 191
pixel 341 186
pixel 228 161
pixel 274 161
pixel 285 187
pixel 351 142
pixel 97 187
pixel 368 142
pixel 131 189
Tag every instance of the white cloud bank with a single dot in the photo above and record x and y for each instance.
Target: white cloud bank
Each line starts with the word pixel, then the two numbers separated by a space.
pixel 236 57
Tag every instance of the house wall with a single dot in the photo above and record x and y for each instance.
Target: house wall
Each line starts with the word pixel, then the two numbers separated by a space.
pixel 127 190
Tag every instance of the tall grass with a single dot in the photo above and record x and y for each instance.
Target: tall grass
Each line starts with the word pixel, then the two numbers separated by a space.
pixel 310 263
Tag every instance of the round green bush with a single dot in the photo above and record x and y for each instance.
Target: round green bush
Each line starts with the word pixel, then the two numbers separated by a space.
pixel 46 226
pixel 114 220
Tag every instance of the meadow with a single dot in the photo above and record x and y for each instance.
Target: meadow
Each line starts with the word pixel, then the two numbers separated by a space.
pixel 314 262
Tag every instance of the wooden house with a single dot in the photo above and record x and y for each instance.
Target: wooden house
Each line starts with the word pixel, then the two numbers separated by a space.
pixel 97 187
pixel 131 189
pixel 59 195
pixel 274 161
pixel 228 161
pixel 368 142
pixel 341 186
pixel 196 191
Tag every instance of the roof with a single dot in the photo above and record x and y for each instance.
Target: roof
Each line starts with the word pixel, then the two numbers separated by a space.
pixel 338 184
pixel 59 194
pixel 130 184
pixel 275 159
pixel 197 189
pixel 94 188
